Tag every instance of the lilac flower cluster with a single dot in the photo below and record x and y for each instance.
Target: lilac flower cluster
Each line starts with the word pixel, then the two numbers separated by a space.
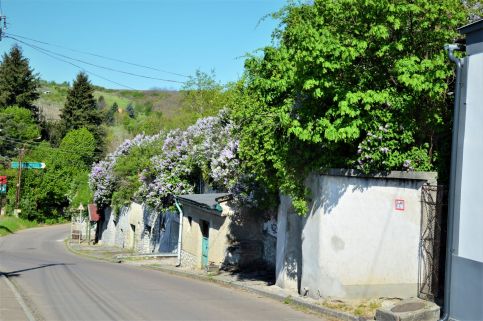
pixel 102 180
pixel 207 150
pixel 169 172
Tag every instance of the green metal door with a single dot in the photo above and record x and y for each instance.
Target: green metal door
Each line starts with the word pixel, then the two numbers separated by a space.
pixel 204 251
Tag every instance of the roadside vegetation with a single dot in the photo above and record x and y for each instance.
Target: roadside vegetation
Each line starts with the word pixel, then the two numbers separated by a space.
pixel 68 127
pixel 11 224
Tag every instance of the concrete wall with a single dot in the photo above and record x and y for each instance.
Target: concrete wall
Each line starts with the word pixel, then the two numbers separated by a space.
pixel 191 237
pixel 354 242
pixel 80 223
pixel 138 228
pixel 236 239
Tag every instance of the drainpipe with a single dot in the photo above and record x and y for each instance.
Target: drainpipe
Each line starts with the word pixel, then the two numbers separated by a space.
pixel 452 179
pixel 180 233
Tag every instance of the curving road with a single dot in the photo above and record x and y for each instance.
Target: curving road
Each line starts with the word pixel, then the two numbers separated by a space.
pixel 61 286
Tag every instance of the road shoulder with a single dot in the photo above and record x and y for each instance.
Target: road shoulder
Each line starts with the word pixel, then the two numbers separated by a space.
pixel 12 305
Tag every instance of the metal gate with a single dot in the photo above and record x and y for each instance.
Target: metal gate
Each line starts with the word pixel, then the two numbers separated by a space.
pixel 433 207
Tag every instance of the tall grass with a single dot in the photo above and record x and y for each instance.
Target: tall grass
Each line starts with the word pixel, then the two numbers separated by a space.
pixel 11 224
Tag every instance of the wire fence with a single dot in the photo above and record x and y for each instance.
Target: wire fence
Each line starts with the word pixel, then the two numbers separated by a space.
pixel 433 205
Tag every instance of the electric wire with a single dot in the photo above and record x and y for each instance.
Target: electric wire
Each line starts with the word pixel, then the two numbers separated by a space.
pixel 101 56
pixel 96 65
pixel 32 144
pixel 71 63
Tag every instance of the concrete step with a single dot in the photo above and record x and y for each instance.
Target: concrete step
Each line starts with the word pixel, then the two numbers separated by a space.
pixel 413 309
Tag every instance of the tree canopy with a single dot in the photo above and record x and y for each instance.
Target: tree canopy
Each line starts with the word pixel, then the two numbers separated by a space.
pixel 17 126
pixel 81 110
pixel 18 83
pixel 350 83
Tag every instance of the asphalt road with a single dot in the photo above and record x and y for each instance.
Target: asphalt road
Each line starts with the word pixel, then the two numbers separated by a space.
pixel 62 286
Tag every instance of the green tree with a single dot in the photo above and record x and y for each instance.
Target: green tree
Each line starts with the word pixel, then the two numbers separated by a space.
pixel 110 115
pixel 43 192
pixel 80 192
pixel 18 83
pixel 350 83
pixel 47 193
pixel 17 126
pixel 130 111
pixel 80 110
pixel 202 95
pixel 101 102
pixel 53 131
pixel 80 146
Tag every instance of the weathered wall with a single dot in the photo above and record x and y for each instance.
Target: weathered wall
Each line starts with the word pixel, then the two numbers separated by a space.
pixel 191 237
pixel 235 239
pixel 139 229
pixel 80 223
pixel 270 242
pixel 353 242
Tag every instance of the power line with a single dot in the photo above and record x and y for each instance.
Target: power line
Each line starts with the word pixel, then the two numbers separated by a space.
pixel 101 56
pixel 70 63
pixel 95 65
pixel 49 148
pixel 39 144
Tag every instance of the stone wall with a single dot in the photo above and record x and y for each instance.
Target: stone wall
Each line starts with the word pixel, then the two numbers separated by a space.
pixel 189 260
pixel 138 228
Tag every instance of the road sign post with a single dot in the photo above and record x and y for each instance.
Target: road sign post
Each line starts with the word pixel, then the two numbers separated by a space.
pixel 22 165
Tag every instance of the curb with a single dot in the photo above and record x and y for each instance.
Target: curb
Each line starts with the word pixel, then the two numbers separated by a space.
pixel 92 257
pixel 26 310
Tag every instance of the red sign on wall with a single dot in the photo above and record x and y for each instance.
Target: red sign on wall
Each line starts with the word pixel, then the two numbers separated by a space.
pixel 399 205
pixel 3 179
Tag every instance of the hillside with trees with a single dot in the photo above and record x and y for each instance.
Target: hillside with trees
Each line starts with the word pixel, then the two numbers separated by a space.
pixel 68 127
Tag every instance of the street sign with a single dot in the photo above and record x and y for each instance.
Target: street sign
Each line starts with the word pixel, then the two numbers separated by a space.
pixel 32 165
pixel 3 189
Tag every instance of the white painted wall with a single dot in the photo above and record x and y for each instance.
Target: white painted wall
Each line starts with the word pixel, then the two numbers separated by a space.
pixel 148 237
pixel 353 242
pixel 469 241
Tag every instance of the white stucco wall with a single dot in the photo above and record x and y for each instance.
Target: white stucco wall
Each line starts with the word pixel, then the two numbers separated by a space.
pixel 353 242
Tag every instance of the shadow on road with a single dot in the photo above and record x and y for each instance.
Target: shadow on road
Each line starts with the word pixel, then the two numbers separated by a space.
pixel 6 229
pixel 18 272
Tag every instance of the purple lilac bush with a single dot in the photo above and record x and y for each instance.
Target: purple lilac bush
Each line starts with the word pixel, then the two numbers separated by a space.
pixel 102 179
pixel 207 150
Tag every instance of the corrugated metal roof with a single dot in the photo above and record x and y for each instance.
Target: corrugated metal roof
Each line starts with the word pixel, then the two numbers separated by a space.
pixel 209 201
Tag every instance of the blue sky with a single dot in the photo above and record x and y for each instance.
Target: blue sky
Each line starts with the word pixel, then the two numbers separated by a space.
pixel 180 36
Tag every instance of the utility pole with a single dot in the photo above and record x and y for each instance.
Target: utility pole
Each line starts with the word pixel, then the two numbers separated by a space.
pixel 3 25
pixel 19 178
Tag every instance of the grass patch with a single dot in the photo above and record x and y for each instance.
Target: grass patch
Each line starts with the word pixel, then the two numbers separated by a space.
pixel 12 224
pixel 361 308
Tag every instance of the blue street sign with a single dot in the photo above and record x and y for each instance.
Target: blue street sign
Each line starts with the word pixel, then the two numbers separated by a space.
pixel 34 165
pixel 3 188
